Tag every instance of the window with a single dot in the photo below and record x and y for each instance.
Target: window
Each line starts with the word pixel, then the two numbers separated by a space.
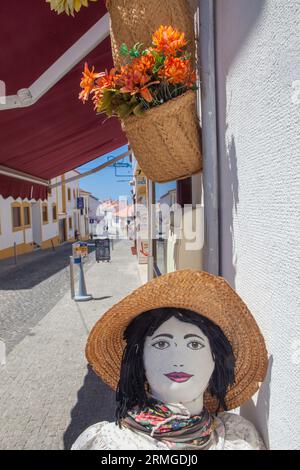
pixel 54 212
pixel 69 194
pixel 16 216
pixel 45 213
pixel 26 215
pixel 70 223
pixel 21 216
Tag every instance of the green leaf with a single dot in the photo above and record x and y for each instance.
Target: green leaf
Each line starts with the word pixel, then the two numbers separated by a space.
pixel 133 100
pixel 124 50
pixel 124 110
pixel 138 110
pixel 135 51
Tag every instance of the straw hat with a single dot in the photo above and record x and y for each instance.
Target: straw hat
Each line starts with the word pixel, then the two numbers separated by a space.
pixel 203 293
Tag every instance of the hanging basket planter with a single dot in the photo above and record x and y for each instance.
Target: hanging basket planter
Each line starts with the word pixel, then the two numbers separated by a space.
pixel 133 21
pixel 154 96
pixel 166 139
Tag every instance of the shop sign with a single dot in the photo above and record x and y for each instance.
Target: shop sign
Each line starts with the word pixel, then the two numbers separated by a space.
pixel 80 251
pixel 80 203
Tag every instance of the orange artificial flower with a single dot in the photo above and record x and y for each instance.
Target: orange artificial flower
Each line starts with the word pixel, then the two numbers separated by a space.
pixel 146 93
pixel 178 71
pixel 97 96
pixel 169 40
pixel 87 82
pixel 175 70
pixel 132 75
pixel 145 63
pixel 136 82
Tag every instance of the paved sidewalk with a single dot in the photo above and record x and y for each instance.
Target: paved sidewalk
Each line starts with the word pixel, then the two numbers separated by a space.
pixel 48 395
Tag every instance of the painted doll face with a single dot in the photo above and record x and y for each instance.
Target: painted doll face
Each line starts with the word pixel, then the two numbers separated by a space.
pixel 178 362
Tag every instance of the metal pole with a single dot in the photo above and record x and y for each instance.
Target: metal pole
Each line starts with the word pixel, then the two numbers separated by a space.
pixel 53 247
pixel 150 230
pixel 209 134
pixel 82 295
pixel 15 253
pixel 72 284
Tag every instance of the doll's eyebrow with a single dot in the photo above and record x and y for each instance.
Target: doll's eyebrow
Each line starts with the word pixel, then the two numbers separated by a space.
pixel 166 335
pixel 193 336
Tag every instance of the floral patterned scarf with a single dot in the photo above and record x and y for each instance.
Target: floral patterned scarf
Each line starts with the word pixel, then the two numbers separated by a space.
pixel 176 430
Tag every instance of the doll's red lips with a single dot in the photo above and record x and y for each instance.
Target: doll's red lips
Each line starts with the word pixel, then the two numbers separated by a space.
pixel 179 377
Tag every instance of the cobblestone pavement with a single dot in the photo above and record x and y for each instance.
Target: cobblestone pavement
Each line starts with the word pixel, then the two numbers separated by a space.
pixel 29 290
pixel 48 395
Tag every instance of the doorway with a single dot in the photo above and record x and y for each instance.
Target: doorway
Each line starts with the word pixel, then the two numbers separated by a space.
pixel 36 224
pixel 62 230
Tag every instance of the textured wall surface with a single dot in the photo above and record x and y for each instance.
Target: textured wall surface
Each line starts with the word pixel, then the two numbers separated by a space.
pixel 258 65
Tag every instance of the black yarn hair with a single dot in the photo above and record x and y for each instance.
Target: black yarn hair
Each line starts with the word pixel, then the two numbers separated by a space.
pixel 131 390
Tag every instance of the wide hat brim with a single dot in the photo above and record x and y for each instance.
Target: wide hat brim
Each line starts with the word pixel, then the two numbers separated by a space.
pixel 202 293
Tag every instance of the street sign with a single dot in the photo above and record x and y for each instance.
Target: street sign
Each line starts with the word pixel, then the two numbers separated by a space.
pixel 102 249
pixel 80 203
pixel 80 251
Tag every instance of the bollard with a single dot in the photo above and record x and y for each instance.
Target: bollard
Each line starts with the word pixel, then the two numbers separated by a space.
pixel 82 295
pixel 72 284
pixel 15 253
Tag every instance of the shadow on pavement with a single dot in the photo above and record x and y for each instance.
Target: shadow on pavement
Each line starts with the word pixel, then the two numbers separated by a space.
pixel 102 298
pixel 96 402
pixel 34 268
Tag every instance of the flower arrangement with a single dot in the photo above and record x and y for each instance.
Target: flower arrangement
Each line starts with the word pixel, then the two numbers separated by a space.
pixel 68 6
pixel 150 77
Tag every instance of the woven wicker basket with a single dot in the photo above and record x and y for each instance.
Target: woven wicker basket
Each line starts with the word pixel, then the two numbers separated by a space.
pixel 166 139
pixel 135 21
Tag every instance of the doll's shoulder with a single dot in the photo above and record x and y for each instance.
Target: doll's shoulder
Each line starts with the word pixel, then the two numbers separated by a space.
pixel 109 436
pixel 91 439
pixel 240 433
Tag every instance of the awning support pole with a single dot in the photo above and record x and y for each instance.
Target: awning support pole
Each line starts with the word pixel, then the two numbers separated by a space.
pixel 22 176
pixel 80 49
pixel 94 170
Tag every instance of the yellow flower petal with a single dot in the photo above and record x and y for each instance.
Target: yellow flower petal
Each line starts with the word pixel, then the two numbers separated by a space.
pixel 68 6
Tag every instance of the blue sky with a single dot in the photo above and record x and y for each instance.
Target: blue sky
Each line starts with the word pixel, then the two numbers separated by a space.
pixel 111 182
pixel 106 184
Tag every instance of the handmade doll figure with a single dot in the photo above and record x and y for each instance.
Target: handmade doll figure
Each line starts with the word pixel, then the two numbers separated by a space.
pixel 180 351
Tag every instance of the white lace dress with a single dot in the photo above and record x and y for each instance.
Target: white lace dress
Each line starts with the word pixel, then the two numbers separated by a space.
pixel 232 432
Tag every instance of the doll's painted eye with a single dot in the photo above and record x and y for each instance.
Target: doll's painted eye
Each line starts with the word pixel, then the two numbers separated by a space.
pixel 195 345
pixel 161 345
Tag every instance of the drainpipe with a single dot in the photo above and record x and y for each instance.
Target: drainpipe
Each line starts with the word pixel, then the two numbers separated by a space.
pixel 151 222
pixel 206 56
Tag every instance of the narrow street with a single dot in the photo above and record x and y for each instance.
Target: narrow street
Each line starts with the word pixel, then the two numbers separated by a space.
pixel 29 290
pixel 48 395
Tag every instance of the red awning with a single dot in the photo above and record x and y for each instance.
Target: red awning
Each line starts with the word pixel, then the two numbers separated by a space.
pixel 58 133
pixel 23 189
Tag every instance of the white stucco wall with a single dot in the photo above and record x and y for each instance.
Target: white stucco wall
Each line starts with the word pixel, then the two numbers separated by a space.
pixel 258 62
pixel 72 205
pixel 50 230
pixel 7 236
pixel 84 217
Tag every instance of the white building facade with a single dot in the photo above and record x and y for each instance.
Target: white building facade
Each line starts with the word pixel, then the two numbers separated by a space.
pixel 27 225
